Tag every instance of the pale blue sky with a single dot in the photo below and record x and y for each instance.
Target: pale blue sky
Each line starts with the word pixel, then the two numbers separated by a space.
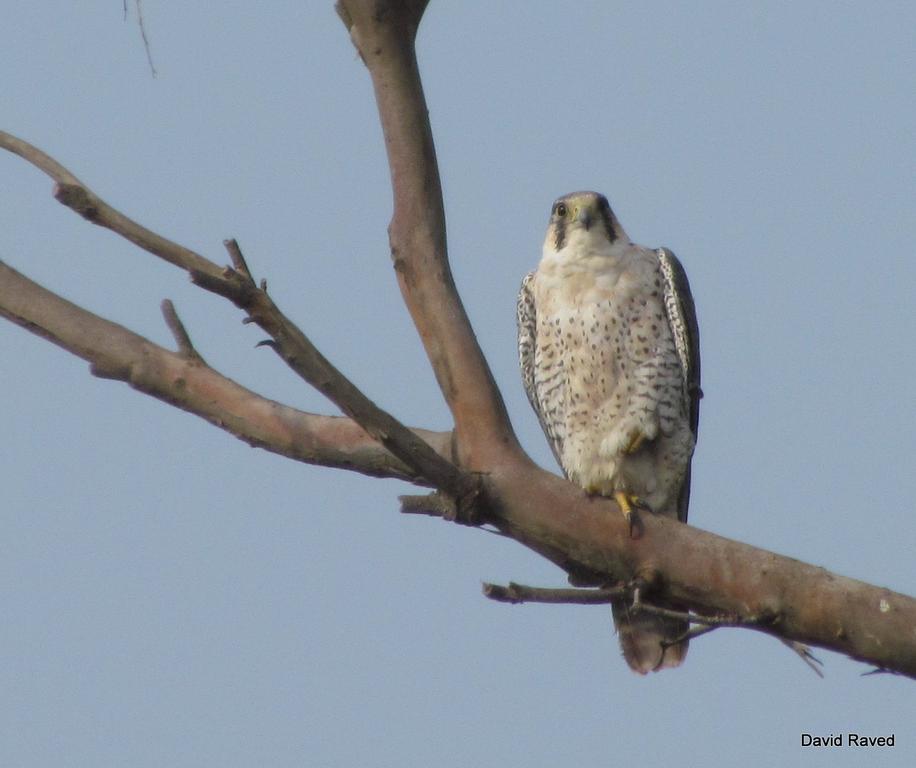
pixel 173 597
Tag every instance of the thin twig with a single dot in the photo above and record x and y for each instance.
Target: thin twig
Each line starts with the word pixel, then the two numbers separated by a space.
pixel 238 259
pixel 722 620
pixel 142 24
pixel 804 653
pixel 880 671
pixel 431 504
pixel 520 593
pixel 710 623
pixel 465 510
pixel 179 332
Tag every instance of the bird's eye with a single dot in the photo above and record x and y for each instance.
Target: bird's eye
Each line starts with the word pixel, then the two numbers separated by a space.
pixel 561 210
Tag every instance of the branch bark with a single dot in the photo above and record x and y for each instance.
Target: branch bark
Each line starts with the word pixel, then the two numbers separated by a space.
pixel 384 35
pixel 521 593
pixel 187 383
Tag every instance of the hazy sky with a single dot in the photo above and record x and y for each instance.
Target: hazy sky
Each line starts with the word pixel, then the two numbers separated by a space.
pixel 172 597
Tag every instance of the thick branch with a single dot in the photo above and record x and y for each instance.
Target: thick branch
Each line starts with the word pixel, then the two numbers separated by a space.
pixel 383 33
pixel 187 383
pixel 711 575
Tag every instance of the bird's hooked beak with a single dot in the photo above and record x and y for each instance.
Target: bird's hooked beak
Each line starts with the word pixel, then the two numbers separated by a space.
pixel 584 217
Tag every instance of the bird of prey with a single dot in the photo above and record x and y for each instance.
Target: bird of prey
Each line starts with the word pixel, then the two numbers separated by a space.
pixel 609 353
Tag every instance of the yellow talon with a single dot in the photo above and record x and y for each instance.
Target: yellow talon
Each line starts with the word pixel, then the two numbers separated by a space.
pixel 627 503
pixel 637 438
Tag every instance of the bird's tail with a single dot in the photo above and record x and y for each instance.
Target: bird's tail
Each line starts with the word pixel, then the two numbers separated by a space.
pixel 643 638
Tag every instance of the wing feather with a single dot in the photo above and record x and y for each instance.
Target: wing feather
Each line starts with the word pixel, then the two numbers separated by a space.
pixel 526 315
pixel 682 319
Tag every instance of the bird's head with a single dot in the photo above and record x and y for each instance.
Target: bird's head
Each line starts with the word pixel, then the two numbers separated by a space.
pixel 585 221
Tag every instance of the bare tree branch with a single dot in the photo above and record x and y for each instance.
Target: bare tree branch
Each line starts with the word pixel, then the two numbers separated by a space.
pixel 70 191
pixel 142 24
pixel 384 34
pixel 586 536
pixel 187 383
pixel 179 332
pixel 804 653
pixel 520 593
pixel 431 504
pixel 712 575
pixel 290 343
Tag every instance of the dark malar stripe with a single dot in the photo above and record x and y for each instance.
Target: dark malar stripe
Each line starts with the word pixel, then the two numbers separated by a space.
pixel 559 234
pixel 607 217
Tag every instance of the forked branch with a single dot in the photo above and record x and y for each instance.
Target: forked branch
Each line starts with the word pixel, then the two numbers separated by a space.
pixel 188 383
pixel 288 340
pixel 384 34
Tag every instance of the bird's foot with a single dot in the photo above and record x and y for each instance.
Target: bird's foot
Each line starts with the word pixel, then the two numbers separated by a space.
pixel 628 504
pixel 634 441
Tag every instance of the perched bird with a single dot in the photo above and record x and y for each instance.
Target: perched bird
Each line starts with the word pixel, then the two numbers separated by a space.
pixel 609 353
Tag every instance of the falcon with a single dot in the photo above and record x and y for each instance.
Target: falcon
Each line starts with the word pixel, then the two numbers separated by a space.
pixel 609 354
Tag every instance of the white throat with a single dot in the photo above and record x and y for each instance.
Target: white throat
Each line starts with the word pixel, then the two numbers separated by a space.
pixel 585 250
